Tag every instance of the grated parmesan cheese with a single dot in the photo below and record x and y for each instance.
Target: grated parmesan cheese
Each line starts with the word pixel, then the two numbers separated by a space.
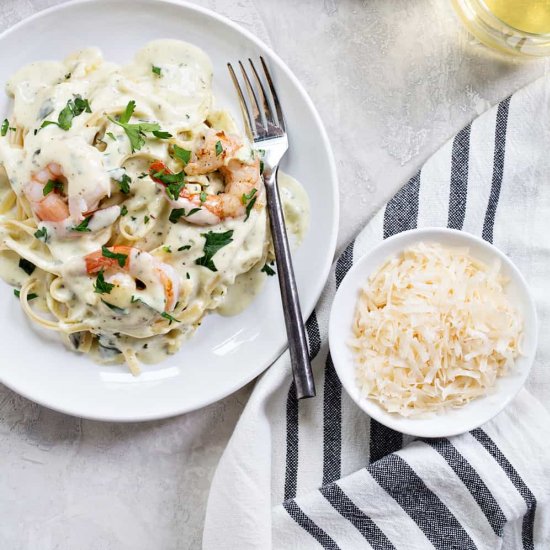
pixel 433 328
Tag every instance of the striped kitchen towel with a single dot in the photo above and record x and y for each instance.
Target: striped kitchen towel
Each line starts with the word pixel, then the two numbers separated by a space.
pixel 321 474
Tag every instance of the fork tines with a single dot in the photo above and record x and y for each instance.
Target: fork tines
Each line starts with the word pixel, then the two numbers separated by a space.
pixel 262 114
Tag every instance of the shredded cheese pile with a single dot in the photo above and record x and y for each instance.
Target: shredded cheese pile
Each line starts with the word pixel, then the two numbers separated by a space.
pixel 433 328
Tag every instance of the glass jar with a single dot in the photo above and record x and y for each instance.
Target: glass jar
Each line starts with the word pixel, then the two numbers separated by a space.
pixel 519 27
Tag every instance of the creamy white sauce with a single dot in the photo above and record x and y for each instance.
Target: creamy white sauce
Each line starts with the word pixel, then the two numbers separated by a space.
pixel 170 82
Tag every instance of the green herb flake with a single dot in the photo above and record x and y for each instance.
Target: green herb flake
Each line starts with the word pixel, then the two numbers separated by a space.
pixel 156 70
pixel 101 286
pixel 213 243
pixel 124 183
pixel 74 108
pixel 169 317
pixel 26 266
pixel 135 132
pixel 30 296
pixel 5 126
pixel 146 219
pixel 51 185
pixel 121 258
pixel 82 227
pixel 193 211
pixel 111 135
pixel 167 249
pixel 203 196
pixel 184 247
pixel 250 200
pixel 181 154
pixel 41 234
pixel 219 148
pixel 267 270
pixel 116 309
pixel 176 214
pixel 187 276
pixel 123 210
pixel 161 134
pixel 143 175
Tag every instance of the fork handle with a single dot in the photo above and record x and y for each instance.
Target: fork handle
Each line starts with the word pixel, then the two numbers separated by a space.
pixel 297 342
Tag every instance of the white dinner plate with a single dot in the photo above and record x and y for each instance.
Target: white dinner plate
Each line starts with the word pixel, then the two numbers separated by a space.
pixel 226 352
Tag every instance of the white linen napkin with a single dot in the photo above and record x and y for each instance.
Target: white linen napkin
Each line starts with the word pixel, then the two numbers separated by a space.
pixel 321 474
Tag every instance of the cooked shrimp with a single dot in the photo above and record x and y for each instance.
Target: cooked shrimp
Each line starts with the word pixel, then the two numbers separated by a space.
pixel 214 148
pixel 80 178
pixel 140 265
pixel 242 183
pixel 52 207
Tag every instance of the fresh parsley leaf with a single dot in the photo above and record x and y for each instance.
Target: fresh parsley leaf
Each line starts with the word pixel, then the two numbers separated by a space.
pixel 203 196
pixel 176 214
pixel 251 198
pixel 51 185
pixel 192 211
pixel 169 317
pixel 128 112
pixel 167 249
pixel 181 154
pixel 184 247
pixel 5 126
pixel 111 135
pixel 161 134
pixel 156 70
pixel 213 243
pixel 73 109
pixel 267 270
pixel 219 148
pixel 41 234
pixel 124 183
pixel 173 190
pixel 101 285
pixel 123 210
pixel 82 227
pixel 116 309
pixel 143 175
pixel 121 258
pixel 30 296
pixel 26 266
pixel 246 197
pixel 146 219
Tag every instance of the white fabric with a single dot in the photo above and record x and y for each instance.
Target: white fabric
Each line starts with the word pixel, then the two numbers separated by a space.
pixel 343 486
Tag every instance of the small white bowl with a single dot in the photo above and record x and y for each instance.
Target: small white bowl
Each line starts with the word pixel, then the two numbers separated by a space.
pixel 453 421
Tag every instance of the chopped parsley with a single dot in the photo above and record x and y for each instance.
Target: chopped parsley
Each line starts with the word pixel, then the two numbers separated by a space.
pixel 184 247
pixel 111 135
pixel 30 296
pixel 156 70
pixel 143 175
pixel 73 109
pixel 167 249
pixel 82 227
pixel 41 234
pixel 135 132
pixel 161 134
pixel 203 196
pixel 146 219
pixel 26 266
pixel 176 214
pixel 169 317
pixel 121 258
pixel 123 210
pixel 213 243
pixel 5 126
pixel 187 276
pixel 250 200
pixel 124 183
pixel 267 270
pixel 101 286
pixel 219 148
pixel 181 154
pixel 51 185
pixel 174 182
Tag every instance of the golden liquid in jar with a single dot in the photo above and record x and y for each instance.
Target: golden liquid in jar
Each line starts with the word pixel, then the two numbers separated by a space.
pixel 526 15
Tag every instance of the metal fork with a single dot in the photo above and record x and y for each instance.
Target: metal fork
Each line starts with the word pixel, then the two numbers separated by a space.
pixel 265 125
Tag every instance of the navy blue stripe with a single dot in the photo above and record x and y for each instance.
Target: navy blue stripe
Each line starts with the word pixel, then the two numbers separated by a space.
pixel 332 424
pixel 459 179
pixel 466 473
pixel 291 469
pixel 305 522
pixel 435 520
pixel 383 441
pixel 402 210
pixel 527 532
pixel 363 523
pixel 498 169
